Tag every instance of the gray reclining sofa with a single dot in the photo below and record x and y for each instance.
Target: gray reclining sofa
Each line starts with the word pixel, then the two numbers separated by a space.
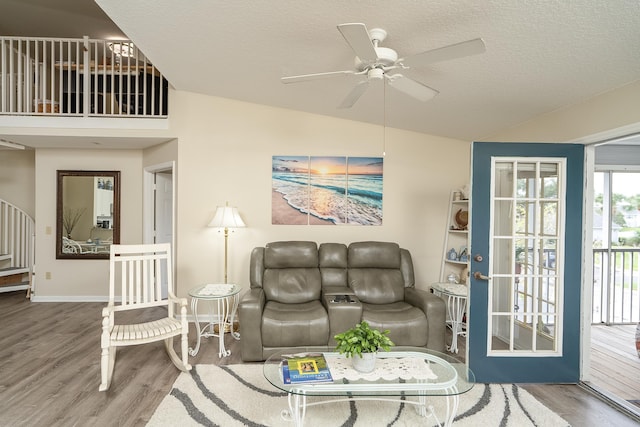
pixel 294 287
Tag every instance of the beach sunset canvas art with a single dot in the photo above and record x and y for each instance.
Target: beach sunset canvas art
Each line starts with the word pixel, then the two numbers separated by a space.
pixel 326 190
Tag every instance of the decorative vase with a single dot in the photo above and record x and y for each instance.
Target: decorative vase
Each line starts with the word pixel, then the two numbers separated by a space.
pixel 364 364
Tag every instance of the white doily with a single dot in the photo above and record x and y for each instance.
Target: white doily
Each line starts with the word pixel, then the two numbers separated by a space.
pixel 388 368
pixel 216 289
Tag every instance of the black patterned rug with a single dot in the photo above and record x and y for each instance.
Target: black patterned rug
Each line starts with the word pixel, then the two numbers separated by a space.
pixel 239 395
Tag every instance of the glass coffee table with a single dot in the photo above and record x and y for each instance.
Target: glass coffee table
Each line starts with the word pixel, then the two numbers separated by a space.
pixel 414 374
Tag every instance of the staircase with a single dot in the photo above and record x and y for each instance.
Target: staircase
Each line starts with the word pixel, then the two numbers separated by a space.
pixel 17 232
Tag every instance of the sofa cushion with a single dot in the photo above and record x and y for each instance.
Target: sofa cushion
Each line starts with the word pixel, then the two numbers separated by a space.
pixel 407 324
pixel 294 325
pixel 291 255
pixel 292 285
pixel 374 255
pixel 377 285
pixel 333 265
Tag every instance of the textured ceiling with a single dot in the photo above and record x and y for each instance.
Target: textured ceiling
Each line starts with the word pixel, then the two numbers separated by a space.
pixel 540 56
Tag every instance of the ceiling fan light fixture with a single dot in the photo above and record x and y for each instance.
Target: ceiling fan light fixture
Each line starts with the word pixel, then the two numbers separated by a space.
pixel 375 74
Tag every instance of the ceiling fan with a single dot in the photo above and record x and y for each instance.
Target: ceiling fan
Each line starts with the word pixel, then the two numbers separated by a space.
pixel 375 62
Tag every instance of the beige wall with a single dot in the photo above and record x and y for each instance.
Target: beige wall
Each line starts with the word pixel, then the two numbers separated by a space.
pixel 225 149
pixel 162 153
pixel 17 179
pixel 611 110
pixel 81 279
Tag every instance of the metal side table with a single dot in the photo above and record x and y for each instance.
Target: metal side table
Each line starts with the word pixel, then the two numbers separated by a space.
pixel 224 298
pixel 455 295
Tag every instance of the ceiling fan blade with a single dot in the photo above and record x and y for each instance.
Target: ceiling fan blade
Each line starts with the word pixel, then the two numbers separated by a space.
pixel 316 76
pixel 358 38
pixel 412 88
pixel 355 94
pixel 458 50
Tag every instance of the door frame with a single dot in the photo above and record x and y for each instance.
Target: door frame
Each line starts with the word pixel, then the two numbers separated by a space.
pixel 149 210
pixel 148 202
pixel 591 142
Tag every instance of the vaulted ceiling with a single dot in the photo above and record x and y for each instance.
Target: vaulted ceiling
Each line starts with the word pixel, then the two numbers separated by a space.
pixel 540 56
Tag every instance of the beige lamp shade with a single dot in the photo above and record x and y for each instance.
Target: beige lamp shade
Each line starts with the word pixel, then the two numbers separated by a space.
pixel 226 217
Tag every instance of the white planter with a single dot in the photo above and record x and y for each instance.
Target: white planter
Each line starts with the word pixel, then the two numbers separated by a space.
pixel 366 363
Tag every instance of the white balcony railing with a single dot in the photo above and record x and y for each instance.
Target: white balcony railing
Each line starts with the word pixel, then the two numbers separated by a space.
pixel 616 282
pixel 78 77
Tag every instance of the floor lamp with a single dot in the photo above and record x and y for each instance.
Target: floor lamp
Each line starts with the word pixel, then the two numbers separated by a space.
pixel 226 217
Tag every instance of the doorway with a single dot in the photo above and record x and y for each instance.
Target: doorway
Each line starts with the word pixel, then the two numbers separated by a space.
pixel 159 208
pixel 613 370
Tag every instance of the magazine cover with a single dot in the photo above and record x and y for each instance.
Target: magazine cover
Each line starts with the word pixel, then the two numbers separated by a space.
pixel 305 368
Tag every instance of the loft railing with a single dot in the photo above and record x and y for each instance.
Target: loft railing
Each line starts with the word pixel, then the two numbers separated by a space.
pixel 616 282
pixel 80 78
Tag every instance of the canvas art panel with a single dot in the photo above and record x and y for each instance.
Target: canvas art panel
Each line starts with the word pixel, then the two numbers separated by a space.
pixel 326 190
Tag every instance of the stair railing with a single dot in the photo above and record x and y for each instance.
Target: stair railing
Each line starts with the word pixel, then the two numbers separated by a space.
pixel 17 237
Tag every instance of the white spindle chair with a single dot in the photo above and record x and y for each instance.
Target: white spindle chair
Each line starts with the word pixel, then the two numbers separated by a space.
pixel 136 274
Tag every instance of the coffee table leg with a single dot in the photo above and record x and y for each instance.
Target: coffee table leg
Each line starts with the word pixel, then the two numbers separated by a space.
pixel 297 409
pixel 452 407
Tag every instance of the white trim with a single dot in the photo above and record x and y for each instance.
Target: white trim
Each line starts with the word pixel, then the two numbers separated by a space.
pixel 149 209
pixel 59 122
pixel 148 201
pixel 616 168
pixel 608 135
pixel 587 264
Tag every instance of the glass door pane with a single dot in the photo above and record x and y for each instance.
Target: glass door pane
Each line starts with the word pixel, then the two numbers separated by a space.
pixel 526 226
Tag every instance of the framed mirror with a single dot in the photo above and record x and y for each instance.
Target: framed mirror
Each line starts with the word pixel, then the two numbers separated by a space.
pixel 87 214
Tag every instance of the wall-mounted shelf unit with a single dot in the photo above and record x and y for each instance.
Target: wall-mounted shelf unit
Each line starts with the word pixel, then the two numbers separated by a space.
pixel 455 255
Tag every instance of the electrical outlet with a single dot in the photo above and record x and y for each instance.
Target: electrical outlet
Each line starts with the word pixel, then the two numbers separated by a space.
pixel 47 275
pixel 47 230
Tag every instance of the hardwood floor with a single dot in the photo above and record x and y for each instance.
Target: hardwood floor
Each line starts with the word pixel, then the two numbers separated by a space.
pixel 50 372
pixel 615 365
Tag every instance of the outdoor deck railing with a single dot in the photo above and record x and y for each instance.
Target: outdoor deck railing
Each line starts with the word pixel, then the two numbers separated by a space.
pixel 78 77
pixel 616 279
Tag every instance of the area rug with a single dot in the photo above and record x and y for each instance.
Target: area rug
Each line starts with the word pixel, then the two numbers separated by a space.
pixel 239 395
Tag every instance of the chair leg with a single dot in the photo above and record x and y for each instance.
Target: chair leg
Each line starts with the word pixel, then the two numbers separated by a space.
pixel 183 364
pixel 185 350
pixel 107 364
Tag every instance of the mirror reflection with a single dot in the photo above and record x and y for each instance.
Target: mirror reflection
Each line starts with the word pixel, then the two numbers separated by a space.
pixel 88 214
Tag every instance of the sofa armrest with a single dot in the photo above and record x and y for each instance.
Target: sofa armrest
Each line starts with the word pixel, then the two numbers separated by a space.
pixel 343 315
pixel 250 314
pixel 435 310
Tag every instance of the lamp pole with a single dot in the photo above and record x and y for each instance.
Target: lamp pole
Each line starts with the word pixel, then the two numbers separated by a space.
pixel 226 244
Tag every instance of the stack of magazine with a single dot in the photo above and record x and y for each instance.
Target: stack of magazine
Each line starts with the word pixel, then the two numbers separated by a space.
pixel 305 368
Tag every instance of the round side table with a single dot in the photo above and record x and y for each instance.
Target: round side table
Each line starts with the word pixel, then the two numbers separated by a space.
pixel 224 298
pixel 455 296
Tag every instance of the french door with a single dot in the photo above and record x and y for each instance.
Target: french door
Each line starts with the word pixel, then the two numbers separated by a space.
pixel 526 246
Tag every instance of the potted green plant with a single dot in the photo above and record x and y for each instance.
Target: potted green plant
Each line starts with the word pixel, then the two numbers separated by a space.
pixel 363 341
